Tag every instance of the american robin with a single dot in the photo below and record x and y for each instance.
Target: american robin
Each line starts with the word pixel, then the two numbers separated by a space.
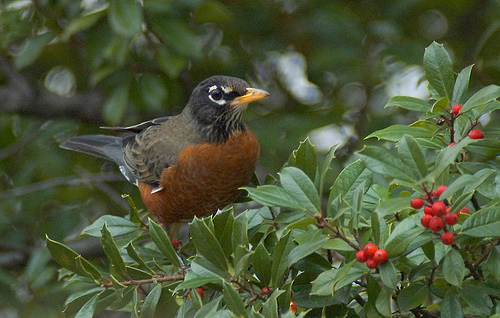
pixel 190 164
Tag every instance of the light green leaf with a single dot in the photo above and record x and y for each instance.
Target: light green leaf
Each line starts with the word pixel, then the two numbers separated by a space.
pixel 149 306
pixel 461 85
pixel 483 223
pixel 410 103
pixel 380 160
pixel 162 241
pixel 445 158
pixel 87 311
pixel 412 156
pixel 116 225
pixel 304 158
pixel 481 97
pixel 315 240
pixel 270 195
pixel 439 69
pixel 323 284
pixel 453 268
pixel 207 244
pixel 394 133
pixel 298 185
pixel 31 49
pixel 112 252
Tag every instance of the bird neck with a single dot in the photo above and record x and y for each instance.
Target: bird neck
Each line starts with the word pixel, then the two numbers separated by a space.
pixel 220 128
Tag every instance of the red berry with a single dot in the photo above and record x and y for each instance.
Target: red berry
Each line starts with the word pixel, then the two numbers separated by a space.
pixel 464 210
pixel 440 190
pixel 438 208
pixel 426 219
pixel 434 194
pixel 361 257
pixel 371 263
pixel 476 134
pixel 452 144
pixel 447 238
pixel 428 210
pixel 370 250
pixel 175 243
pixel 265 290
pixel 456 108
pixel 200 291
pixel 380 256
pixel 293 307
pixel 417 203
pixel 451 218
pixel 436 224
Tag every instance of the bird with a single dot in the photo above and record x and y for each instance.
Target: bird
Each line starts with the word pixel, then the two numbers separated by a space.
pixel 191 164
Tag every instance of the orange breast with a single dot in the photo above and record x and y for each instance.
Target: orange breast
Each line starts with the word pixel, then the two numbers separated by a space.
pixel 205 178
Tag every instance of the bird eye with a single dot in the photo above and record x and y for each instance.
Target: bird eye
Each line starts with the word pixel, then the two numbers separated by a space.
pixel 216 94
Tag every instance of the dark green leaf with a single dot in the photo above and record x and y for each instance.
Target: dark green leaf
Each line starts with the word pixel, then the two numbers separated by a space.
pixel 453 268
pixel 207 244
pixel 383 302
pixel 112 252
pixel 325 166
pixel 71 260
pixel 324 283
pixel 87 311
pixel 261 261
pixel 233 300
pixel 125 17
pixel 270 307
pixel 81 23
pixel 178 36
pixel 304 158
pixel 131 251
pixel 388 274
pixel 270 195
pixel 476 296
pixel 488 147
pixel 116 225
pixel 412 296
pixel 240 231
pixel 439 70
pixel 461 201
pixel 162 241
pixel 149 306
pixel 461 85
pixel 298 185
pixel 410 103
pixel 401 237
pixel 450 306
pixel 380 160
pixel 492 264
pixel 445 158
pixel 349 179
pixel 481 97
pixel 31 49
pixel 483 223
pixel 412 156
pixel 393 205
pixel 280 259
pixel 394 133
pixel 314 241
pixel 115 106
pixel 223 226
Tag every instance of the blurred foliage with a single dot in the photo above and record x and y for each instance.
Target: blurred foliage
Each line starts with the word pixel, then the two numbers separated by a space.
pixel 330 67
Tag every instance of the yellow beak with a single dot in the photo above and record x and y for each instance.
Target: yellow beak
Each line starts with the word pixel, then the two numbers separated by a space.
pixel 252 95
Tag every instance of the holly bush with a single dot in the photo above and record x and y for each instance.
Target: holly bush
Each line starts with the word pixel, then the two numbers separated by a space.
pixel 299 253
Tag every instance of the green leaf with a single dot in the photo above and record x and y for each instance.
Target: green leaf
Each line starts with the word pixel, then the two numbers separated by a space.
pixel 162 241
pixel 492 264
pixel 445 158
pixel 488 147
pixel 71 260
pixel 178 36
pixel 149 307
pixel 153 92
pixel 412 296
pixel 115 106
pixel 313 241
pixel 393 205
pixel 261 261
pixel 450 306
pixel 87 310
pixel 388 274
pixel 112 252
pixel 240 231
pixel 453 268
pixel 461 86
pixel 280 259
pixel 323 284
pixel 380 160
pixel 481 97
pixel 401 237
pixel 298 185
pixel 439 69
pixel 81 23
pixel 131 251
pixel 394 133
pixel 223 229
pixel 461 201
pixel 483 223
pixel 125 17
pixel 270 195
pixel 270 307
pixel 325 166
pixel 207 244
pixel 31 49
pixel 116 225
pixel 233 300
pixel 410 103
pixel 412 156
pixel 169 62
pixel 349 179
pixel 304 158
pixel 475 295
pixel 383 302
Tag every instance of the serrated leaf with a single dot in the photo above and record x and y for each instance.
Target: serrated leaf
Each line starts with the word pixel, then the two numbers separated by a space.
pixel 412 296
pixel 162 241
pixel 149 306
pixel 87 310
pixel 304 158
pixel 270 195
pixel 298 185
pixel 112 252
pixel 450 306
pixel 481 97
pixel 410 103
pixel 116 225
pixel 325 166
pixel 125 17
pixel 439 69
pixel 412 156
pixel 453 268
pixel 207 244
pixel 223 229
pixel 461 85
pixel 233 300
pixel 483 223
pixel 71 260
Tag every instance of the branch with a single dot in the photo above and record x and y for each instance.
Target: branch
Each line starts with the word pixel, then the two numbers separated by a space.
pixel 156 279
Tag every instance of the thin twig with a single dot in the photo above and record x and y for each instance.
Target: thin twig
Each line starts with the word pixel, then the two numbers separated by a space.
pixel 158 279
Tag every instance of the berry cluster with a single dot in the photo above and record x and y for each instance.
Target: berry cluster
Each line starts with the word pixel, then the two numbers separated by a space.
pixel 371 255
pixel 437 214
pixel 455 112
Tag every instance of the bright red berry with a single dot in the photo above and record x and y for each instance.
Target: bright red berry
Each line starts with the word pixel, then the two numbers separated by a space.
pixel 428 209
pixel 417 203
pixel 464 210
pixel 199 290
pixel 293 307
pixel 370 250
pixel 447 238
pixel 426 219
pixel 371 263
pixel 434 194
pixel 452 144
pixel 380 256
pixel 440 190
pixel 436 224
pixel 175 243
pixel 476 134
pixel 451 218
pixel 265 290
pixel 456 108
pixel 438 208
pixel 361 257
